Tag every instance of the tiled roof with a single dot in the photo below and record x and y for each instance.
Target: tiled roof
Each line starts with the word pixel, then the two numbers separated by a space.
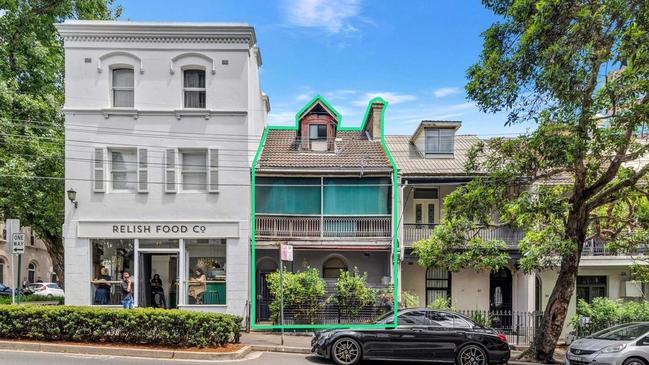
pixel 410 162
pixel 353 151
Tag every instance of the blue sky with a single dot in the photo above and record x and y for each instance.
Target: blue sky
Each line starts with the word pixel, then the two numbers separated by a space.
pixel 414 53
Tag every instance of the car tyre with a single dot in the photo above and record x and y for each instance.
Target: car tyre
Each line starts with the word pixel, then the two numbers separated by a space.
pixel 634 361
pixel 472 355
pixel 346 351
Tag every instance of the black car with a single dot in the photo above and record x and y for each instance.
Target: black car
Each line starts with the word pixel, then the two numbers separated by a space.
pixel 420 334
pixel 5 290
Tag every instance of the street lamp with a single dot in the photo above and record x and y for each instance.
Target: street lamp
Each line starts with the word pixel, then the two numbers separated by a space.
pixel 72 195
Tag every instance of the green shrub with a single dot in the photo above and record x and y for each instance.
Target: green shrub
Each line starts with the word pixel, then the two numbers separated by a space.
pixel 409 300
pixel 6 299
pixel 170 327
pixel 605 312
pixel 303 293
pixel 352 293
pixel 442 303
pixel 481 318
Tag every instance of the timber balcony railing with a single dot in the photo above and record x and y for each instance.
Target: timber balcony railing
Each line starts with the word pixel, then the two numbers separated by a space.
pixel 597 247
pixel 413 232
pixel 314 227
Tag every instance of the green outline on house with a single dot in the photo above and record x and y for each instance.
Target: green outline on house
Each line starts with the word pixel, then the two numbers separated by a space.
pixel 395 198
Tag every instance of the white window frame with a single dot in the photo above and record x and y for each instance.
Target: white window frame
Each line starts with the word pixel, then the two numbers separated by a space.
pixel 127 164
pixel 181 171
pixel 185 89
pixel 114 88
pixel 439 139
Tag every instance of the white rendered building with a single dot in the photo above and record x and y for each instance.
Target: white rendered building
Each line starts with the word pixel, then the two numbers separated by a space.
pixel 162 121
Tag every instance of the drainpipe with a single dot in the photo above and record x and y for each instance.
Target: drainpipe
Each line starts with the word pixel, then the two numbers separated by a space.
pixel 400 227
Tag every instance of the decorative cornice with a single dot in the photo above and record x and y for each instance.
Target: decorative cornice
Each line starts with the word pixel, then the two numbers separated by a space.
pixel 137 113
pixel 154 39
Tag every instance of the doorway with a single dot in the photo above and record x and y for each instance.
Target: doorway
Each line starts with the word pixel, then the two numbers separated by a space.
pixel 264 268
pixel 500 298
pixel 162 266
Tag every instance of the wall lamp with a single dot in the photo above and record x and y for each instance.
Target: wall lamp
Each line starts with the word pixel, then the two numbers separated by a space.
pixel 72 196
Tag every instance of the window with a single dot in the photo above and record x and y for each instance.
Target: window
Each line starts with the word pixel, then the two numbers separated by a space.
pixel 318 131
pixel 590 287
pixel 2 270
pixel 194 88
pixel 333 267
pixel 31 272
pixel 194 170
pixel 205 260
pixel 425 194
pixel 53 278
pixel 446 320
pixel 414 318
pixel 110 259
pixel 438 284
pixel 439 140
pixel 123 169
pixel 123 82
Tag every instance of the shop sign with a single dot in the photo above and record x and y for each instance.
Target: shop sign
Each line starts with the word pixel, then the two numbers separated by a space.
pixel 158 230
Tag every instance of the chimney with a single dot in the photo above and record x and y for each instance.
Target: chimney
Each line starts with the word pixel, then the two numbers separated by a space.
pixel 373 125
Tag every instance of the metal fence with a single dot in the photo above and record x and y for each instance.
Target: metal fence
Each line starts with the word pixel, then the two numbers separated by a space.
pixel 519 327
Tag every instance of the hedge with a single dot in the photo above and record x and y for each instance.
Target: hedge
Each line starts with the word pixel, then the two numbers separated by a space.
pixel 167 327
pixel 6 299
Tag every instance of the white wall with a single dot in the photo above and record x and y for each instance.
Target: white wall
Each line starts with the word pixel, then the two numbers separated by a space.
pixel 236 116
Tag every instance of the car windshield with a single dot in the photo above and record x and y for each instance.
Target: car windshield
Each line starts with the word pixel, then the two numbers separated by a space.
pixel 626 333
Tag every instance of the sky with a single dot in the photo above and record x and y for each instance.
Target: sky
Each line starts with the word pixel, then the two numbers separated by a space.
pixel 413 53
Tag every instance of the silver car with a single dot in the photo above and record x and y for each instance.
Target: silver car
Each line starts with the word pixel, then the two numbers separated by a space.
pixel 625 344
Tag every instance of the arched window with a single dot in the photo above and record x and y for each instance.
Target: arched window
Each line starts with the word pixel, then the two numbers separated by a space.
pixel 438 284
pixel 31 272
pixel 194 88
pixel 332 268
pixel 123 88
pixel 2 270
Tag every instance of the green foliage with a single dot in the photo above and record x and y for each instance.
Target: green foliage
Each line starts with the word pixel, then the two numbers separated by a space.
pixel 352 293
pixel 6 299
pixel 303 293
pixel 409 300
pixel 442 303
pixel 166 327
pixel 31 97
pixel 605 312
pixel 481 318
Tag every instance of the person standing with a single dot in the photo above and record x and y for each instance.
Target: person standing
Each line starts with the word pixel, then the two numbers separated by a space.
pixel 127 291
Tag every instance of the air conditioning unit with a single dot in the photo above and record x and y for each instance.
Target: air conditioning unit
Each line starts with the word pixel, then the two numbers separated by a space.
pixel 633 289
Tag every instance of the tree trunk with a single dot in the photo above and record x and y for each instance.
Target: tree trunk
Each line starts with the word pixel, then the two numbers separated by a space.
pixel 55 249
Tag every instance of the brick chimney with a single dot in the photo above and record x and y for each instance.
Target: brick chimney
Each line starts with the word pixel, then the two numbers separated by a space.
pixel 373 124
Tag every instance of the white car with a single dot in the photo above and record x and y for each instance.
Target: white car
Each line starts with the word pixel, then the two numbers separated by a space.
pixel 47 289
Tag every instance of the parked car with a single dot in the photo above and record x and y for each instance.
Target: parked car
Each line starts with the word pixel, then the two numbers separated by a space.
pixel 625 344
pixel 420 334
pixel 46 289
pixel 5 290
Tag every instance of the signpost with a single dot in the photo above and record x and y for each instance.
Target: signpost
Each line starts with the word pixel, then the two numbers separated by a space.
pixel 16 241
pixel 286 254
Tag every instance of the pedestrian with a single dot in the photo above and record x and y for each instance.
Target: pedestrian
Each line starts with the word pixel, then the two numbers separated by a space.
pixel 127 291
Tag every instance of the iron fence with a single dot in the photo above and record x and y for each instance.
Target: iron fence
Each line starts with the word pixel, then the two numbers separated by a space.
pixel 519 327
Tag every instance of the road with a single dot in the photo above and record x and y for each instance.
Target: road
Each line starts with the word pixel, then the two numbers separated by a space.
pixel 261 358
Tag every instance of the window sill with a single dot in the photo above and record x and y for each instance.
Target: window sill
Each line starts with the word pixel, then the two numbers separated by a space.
pixel 130 112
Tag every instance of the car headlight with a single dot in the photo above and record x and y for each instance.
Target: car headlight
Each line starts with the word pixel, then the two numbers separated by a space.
pixel 614 348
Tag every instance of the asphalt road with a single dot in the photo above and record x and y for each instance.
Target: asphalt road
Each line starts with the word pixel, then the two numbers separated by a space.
pixel 261 358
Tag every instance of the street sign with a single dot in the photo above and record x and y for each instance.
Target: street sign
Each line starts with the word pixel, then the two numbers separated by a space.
pixel 17 243
pixel 286 252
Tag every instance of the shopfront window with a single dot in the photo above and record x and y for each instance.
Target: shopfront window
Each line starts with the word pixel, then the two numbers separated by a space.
pixel 110 259
pixel 172 244
pixel 205 260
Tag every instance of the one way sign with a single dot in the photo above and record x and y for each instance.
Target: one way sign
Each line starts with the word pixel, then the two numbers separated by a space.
pixel 18 243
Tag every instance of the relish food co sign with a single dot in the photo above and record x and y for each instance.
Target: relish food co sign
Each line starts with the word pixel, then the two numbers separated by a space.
pixel 200 229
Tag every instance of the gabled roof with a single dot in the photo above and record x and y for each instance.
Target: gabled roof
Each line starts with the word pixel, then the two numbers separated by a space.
pixel 411 162
pixel 451 124
pixel 318 103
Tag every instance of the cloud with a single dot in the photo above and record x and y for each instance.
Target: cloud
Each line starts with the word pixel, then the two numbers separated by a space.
pixel 333 16
pixel 304 96
pixel 445 91
pixel 281 118
pixel 390 97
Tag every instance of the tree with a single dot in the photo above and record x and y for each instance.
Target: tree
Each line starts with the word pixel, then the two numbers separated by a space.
pixel 31 122
pixel 578 71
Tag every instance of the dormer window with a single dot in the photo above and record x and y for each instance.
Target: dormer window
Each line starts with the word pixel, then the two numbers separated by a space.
pixel 317 131
pixel 439 140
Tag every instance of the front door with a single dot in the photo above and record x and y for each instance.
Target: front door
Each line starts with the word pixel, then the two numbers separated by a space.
pixel 263 297
pixel 500 298
pixel 163 266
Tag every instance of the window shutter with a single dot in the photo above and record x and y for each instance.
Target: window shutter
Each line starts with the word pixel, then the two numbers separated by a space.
pixel 213 171
pixel 170 171
pixel 142 170
pixel 98 179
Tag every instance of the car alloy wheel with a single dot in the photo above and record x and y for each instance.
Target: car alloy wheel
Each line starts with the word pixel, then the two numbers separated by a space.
pixel 472 355
pixel 633 361
pixel 346 351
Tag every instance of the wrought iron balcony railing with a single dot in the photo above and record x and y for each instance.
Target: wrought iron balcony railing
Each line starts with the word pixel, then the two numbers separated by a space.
pixel 413 232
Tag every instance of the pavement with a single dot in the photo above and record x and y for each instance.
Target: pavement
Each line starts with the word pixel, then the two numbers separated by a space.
pixel 271 341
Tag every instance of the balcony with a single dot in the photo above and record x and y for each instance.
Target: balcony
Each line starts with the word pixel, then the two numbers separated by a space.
pixel 413 232
pixel 318 227
pixel 597 247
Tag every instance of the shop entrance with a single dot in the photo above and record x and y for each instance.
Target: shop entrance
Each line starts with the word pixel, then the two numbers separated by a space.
pixel 157 284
